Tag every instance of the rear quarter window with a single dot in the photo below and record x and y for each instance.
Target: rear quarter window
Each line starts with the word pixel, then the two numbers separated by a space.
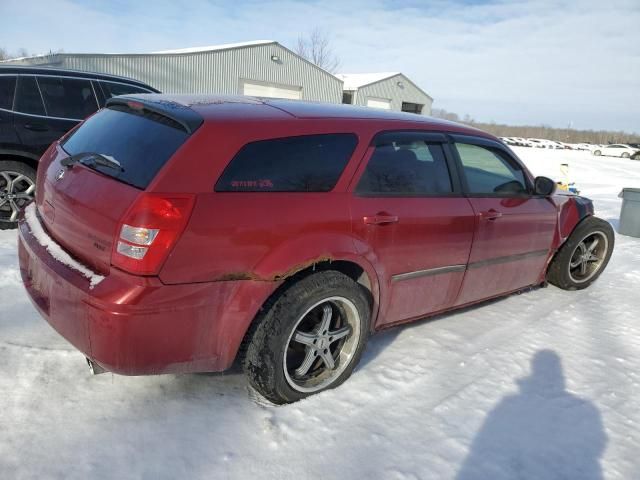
pixel 28 99
pixel 7 89
pixel 308 163
pixel 142 143
pixel 67 97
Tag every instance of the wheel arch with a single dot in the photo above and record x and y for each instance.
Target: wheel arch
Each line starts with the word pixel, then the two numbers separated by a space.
pixel 16 157
pixel 237 336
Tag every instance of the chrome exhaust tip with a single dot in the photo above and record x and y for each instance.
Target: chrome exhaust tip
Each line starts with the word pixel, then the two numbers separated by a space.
pixel 94 368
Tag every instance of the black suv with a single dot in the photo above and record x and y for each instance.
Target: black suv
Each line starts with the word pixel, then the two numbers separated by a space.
pixel 37 106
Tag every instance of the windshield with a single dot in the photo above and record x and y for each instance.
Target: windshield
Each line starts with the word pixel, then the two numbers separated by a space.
pixel 140 144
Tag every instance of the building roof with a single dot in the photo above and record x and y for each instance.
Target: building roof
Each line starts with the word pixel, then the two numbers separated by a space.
pixel 353 81
pixel 224 46
pixel 210 48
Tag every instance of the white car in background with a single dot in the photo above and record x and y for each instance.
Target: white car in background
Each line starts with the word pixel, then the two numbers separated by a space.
pixel 582 146
pixel 536 143
pixel 615 150
pixel 542 143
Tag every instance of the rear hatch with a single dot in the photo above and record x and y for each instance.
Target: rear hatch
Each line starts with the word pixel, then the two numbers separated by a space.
pixel 87 183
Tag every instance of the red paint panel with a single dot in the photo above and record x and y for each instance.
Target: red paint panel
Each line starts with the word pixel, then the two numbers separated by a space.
pixel 525 226
pixel 430 233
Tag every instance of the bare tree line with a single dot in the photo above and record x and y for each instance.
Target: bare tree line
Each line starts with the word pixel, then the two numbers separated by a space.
pixel 567 135
pixel 6 55
pixel 316 47
pixel 22 52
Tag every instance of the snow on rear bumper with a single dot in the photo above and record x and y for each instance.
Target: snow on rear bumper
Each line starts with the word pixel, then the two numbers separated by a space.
pixel 127 324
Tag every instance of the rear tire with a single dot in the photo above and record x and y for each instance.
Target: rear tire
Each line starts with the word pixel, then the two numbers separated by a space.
pixel 584 256
pixel 309 338
pixel 17 189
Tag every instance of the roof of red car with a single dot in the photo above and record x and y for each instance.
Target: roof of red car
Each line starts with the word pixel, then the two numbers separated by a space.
pixel 234 107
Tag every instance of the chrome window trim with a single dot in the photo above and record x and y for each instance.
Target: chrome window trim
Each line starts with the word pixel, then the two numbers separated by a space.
pixel 44 105
pixel 41 116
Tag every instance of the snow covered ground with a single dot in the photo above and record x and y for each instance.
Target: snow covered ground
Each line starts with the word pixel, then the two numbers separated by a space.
pixel 541 385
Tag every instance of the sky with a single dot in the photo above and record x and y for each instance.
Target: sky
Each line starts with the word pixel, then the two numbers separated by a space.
pixel 546 62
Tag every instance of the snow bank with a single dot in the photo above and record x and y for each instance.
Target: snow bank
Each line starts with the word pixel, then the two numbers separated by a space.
pixel 56 250
pixel 543 385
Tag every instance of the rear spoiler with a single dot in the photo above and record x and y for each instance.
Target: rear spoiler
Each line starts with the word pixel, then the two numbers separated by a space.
pixel 186 117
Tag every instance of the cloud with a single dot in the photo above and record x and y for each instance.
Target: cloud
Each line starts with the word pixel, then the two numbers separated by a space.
pixel 539 62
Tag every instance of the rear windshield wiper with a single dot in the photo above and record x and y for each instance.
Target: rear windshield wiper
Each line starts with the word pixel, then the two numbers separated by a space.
pixel 92 159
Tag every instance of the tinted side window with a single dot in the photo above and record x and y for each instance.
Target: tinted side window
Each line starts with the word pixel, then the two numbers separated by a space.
pixel 490 171
pixel 7 89
pixel 67 97
pixel 115 89
pixel 413 167
pixel 311 163
pixel 28 99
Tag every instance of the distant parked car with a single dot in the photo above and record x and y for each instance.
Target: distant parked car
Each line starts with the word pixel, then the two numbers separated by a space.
pixel 165 250
pixel 582 146
pixel 542 143
pixel 524 142
pixel 509 141
pixel 536 143
pixel 37 107
pixel 616 150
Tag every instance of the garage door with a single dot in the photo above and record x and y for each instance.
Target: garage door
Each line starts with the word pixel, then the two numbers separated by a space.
pixel 259 89
pixel 379 103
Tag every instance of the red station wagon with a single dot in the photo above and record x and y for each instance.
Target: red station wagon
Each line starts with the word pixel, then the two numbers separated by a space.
pixel 177 234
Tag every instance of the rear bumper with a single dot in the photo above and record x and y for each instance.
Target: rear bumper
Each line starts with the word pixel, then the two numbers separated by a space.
pixel 137 325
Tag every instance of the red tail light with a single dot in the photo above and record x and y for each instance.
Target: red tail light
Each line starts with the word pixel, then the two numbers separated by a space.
pixel 149 230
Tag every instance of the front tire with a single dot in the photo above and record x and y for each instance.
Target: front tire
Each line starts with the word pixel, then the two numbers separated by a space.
pixel 584 256
pixel 597 153
pixel 17 189
pixel 625 155
pixel 309 338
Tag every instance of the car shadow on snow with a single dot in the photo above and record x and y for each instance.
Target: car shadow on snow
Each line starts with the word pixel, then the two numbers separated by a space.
pixel 543 431
pixel 383 338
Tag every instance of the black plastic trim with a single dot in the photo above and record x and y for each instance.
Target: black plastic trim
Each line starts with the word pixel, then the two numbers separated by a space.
pixel 185 116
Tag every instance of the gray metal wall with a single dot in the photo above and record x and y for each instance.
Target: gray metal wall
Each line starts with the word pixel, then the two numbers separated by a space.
pixel 389 89
pixel 219 71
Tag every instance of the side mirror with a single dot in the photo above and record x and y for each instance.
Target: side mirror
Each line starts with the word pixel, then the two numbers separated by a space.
pixel 544 186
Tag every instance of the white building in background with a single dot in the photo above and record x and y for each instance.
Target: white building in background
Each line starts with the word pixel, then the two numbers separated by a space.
pixel 261 68
pixel 388 90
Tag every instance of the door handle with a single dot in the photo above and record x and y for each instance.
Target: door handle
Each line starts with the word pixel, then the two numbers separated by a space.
pixel 380 219
pixel 36 127
pixel 490 214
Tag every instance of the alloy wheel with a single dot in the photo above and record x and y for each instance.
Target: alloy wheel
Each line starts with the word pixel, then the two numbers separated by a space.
pixel 322 344
pixel 588 257
pixel 16 191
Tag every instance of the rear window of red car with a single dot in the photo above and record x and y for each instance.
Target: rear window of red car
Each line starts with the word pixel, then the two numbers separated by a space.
pixel 308 163
pixel 141 142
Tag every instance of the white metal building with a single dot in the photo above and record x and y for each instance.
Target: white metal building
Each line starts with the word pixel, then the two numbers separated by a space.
pixel 388 90
pixel 261 68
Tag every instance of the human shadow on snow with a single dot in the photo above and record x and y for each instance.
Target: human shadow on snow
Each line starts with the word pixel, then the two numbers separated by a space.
pixel 543 431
